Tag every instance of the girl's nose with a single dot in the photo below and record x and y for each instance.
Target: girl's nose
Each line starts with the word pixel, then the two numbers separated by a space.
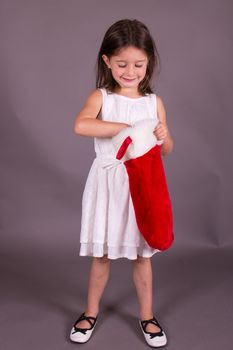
pixel 130 71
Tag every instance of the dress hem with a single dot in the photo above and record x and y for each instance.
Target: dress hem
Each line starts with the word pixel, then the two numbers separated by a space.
pixel 113 252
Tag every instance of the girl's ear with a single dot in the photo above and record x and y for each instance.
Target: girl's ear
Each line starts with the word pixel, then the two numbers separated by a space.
pixel 106 60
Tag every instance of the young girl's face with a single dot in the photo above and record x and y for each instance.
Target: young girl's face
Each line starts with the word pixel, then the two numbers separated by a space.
pixel 128 66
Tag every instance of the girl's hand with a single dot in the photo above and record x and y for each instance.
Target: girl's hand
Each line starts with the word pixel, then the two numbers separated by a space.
pixel 161 131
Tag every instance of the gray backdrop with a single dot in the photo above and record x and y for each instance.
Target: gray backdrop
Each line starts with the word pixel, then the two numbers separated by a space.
pixel 48 51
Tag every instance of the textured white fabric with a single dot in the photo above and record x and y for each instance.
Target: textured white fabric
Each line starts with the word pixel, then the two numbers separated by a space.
pixel 108 223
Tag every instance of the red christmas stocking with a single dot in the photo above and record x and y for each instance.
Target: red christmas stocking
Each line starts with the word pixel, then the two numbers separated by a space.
pixel 140 151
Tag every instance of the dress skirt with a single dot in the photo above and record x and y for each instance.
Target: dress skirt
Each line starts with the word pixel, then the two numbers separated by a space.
pixel 108 222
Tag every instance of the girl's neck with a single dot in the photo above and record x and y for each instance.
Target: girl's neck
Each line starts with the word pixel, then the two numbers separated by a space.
pixel 128 92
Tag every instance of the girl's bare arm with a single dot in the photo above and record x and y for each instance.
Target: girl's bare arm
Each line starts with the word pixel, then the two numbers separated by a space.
pixel 86 123
pixel 162 131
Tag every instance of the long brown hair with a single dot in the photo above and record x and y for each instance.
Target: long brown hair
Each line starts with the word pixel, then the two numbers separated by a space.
pixel 122 34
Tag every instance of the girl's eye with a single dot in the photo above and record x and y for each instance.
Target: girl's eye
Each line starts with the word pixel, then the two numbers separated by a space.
pixel 125 66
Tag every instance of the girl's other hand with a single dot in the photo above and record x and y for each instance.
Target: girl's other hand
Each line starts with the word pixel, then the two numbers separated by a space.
pixel 161 131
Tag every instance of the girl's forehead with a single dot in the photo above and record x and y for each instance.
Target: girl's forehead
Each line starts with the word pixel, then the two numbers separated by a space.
pixel 130 53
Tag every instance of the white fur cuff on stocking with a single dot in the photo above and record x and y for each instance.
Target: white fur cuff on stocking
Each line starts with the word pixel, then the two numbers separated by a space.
pixel 143 138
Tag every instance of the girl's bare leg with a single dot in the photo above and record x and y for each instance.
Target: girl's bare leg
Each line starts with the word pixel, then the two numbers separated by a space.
pixel 142 277
pixel 98 278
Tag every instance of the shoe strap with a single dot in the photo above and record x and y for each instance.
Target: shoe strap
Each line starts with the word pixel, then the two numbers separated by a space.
pixel 151 320
pixel 88 318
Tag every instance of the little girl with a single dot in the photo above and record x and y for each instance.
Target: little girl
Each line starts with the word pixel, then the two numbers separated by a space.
pixel 123 95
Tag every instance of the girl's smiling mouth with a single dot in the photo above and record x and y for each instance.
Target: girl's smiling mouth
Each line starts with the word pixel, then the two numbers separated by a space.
pixel 129 79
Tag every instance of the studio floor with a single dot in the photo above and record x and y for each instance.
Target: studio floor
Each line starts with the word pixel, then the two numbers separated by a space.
pixel 43 294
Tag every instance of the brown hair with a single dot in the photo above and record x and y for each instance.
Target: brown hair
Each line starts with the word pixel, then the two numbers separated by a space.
pixel 122 34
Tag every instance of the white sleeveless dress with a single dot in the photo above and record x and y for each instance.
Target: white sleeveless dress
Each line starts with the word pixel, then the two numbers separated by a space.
pixel 108 223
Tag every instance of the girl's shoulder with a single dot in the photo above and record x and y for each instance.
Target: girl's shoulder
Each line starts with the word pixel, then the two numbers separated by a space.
pixel 95 97
pixel 96 93
pixel 93 103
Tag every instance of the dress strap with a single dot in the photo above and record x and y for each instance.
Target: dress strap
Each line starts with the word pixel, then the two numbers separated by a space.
pixel 155 105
